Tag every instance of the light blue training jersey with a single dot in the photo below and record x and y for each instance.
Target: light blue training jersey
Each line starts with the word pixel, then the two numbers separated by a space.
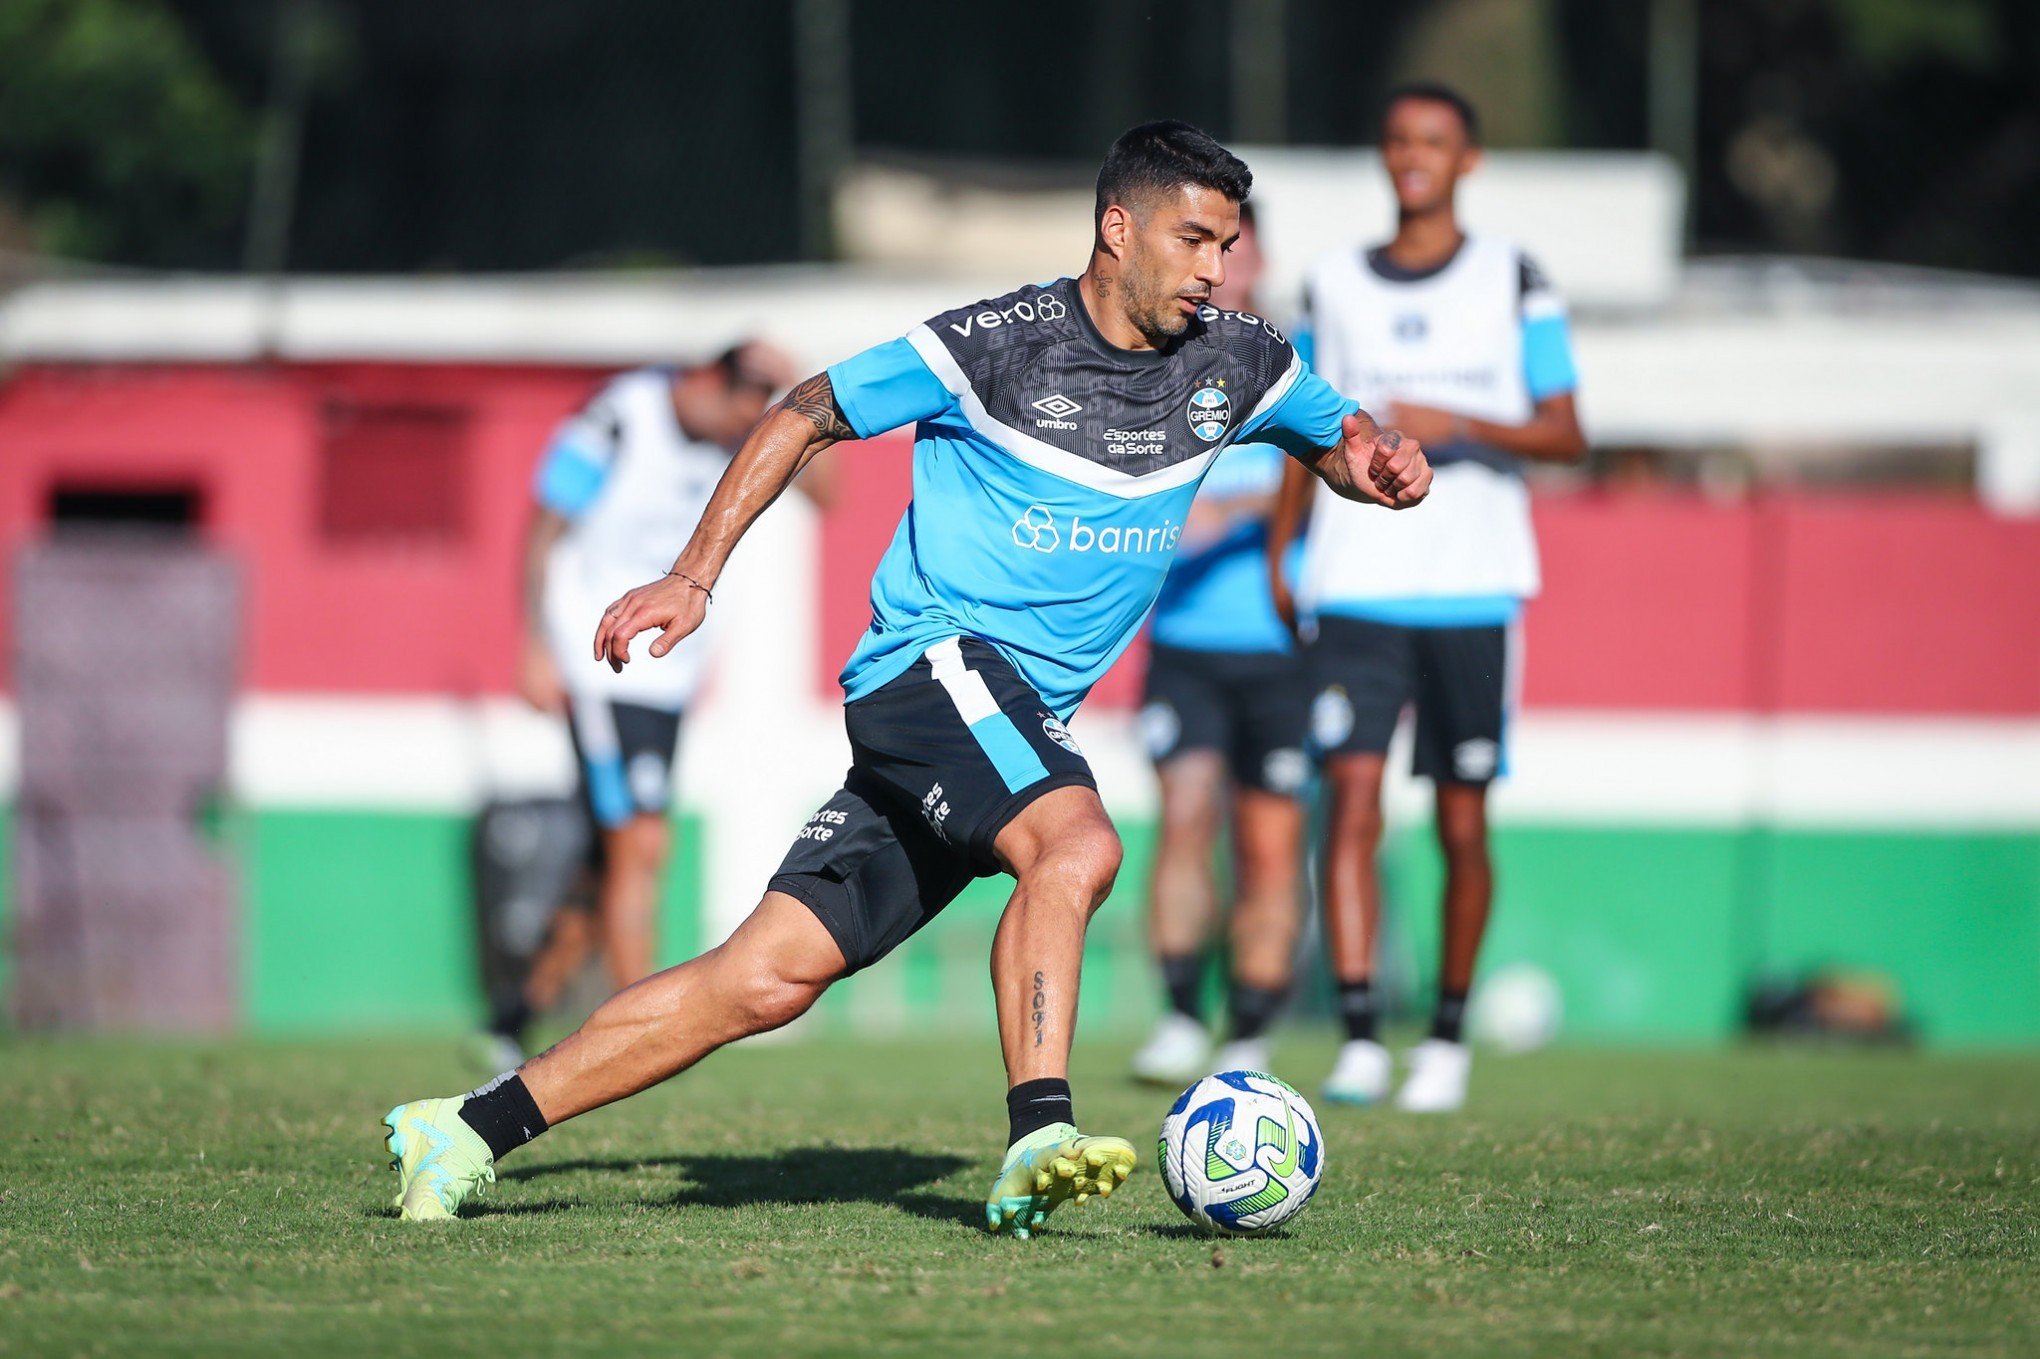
pixel 1053 472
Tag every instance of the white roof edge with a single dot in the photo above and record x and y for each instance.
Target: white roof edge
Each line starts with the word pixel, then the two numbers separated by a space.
pixel 820 312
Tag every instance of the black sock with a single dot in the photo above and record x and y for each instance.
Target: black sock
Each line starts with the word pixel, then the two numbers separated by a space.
pixel 503 1113
pixel 1183 978
pixel 1356 1007
pixel 1451 1016
pixel 1032 1105
pixel 511 1020
pixel 1254 1008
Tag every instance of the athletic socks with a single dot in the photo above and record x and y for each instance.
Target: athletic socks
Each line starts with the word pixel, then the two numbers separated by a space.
pixel 504 1115
pixel 1033 1105
pixel 1254 1008
pixel 1357 1009
pixel 511 1020
pixel 1183 979
pixel 1451 1016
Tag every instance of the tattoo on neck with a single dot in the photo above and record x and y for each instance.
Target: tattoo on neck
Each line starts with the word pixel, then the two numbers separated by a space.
pixel 1040 1007
pixel 816 400
pixel 1101 284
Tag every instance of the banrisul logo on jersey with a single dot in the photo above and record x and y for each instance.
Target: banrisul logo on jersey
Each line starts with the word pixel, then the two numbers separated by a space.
pixel 1210 411
pixel 1038 530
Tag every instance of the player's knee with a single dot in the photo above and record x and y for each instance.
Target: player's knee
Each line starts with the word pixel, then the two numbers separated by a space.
pixel 1267 890
pixel 641 842
pixel 1463 840
pixel 1086 862
pixel 1356 817
pixel 767 999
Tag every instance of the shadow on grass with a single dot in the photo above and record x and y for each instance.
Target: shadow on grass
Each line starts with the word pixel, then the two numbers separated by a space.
pixel 801 1175
pixel 492 1208
pixel 1188 1231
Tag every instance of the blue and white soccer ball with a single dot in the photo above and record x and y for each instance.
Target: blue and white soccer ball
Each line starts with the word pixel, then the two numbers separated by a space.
pixel 1241 1153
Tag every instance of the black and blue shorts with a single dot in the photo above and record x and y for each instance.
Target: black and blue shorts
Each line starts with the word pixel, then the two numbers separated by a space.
pixel 626 752
pixel 942 758
pixel 1363 673
pixel 1253 707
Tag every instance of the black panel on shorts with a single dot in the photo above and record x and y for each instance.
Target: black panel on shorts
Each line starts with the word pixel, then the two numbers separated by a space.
pixel 1363 672
pixel 1251 707
pixel 925 799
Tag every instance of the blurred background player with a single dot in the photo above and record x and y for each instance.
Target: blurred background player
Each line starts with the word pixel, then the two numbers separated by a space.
pixel 1223 717
pixel 1463 342
pixel 623 478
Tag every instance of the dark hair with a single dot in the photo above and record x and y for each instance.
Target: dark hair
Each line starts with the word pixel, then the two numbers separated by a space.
pixel 735 372
pixel 1436 92
pixel 1156 158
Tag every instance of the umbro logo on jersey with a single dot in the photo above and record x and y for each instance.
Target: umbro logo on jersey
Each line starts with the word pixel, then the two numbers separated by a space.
pixel 1056 411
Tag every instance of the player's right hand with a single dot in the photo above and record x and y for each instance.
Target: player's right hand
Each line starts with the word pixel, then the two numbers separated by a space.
pixel 668 603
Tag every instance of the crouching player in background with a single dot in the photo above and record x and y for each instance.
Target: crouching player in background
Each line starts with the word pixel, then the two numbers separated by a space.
pixel 1460 339
pixel 623 478
pixel 1224 718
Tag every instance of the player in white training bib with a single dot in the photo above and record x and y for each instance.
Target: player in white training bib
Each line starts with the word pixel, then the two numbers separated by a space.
pixel 1464 342
pixel 624 477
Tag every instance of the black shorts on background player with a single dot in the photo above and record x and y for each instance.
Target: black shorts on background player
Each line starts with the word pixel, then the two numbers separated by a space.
pixel 942 759
pixel 1363 672
pixel 1253 707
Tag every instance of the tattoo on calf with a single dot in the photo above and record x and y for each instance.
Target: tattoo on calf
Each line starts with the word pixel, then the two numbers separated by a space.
pixel 1040 1007
pixel 816 400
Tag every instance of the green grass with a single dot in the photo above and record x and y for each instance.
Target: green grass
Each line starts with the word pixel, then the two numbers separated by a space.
pixel 819 1198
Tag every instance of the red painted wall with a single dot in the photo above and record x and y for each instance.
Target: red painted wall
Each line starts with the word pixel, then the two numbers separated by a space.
pixel 323 615
pixel 1861 603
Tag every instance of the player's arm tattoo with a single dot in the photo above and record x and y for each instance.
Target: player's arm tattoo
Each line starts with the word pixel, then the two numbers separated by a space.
pixel 1040 1005
pixel 815 399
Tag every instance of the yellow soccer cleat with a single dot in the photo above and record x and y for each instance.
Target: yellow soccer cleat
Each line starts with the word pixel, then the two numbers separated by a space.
pixel 1050 1166
pixel 440 1161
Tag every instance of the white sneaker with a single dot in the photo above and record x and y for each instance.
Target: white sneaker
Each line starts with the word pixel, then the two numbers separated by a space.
pixel 492 1052
pixel 1241 1054
pixel 1360 1076
pixel 1437 1080
pixel 1175 1053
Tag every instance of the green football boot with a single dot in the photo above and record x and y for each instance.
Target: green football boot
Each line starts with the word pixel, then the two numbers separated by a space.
pixel 1049 1167
pixel 440 1161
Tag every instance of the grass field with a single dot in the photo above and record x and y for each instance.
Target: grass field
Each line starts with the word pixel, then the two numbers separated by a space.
pixel 820 1199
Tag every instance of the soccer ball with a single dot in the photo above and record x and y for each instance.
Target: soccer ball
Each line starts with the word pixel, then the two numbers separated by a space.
pixel 1241 1153
pixel 1518 1009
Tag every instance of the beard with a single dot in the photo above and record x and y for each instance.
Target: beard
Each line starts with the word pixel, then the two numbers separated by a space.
pixel 1154 313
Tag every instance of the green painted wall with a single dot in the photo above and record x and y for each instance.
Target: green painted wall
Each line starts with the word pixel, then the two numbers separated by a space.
pixel 360 921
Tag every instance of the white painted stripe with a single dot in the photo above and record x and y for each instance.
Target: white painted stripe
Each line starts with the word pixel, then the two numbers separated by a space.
pixel 1042 456
pixel 1588 768
pixel 966 687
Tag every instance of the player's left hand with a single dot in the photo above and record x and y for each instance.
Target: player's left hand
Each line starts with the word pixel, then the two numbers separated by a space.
pixel 669 603
pixel 1385 465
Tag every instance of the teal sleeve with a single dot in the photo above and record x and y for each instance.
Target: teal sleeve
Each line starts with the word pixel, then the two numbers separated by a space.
pixel 1305 421
pixel 887 386
pixel 1547 356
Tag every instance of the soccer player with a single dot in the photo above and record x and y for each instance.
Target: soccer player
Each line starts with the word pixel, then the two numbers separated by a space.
pixel 1224 717
pixel 628 473
pixel 1031 550
pixel 1463 342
